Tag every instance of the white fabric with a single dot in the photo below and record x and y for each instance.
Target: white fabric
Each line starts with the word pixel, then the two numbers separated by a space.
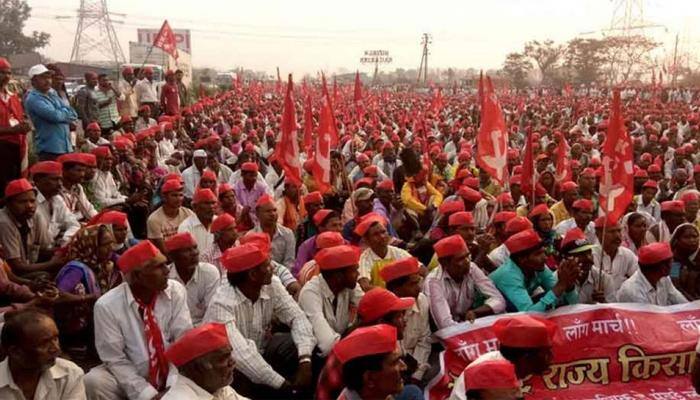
pixel 186 389
pixel 622 267
pixel 204 238
pixel 64 380
pixel 62 223
pixel 416 334
pixel 200 288
pixel 637 289
pixel 106 190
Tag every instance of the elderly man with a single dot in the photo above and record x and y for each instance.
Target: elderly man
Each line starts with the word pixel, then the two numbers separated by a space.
pixel 282 238
pixel 204 363
pixel 590 280
pixel 582 218
pixel 62 223
pixel 651 284
pixel 199 278
pixel 32 368
pixel 134 323
pixel 127 104
pixel 672 215
pixel 75 166
pixel 361 199
pixel 248 191
pixel 378 253
pixel 452 287
pixel 562 210
pixel 163 222
pixel 617 261
pixel 199 224
pixel 192 174
pixel 104 186
pixel 50 116
pixel 246 303
pixel 325 220
pixel 147 92
pixel 13 128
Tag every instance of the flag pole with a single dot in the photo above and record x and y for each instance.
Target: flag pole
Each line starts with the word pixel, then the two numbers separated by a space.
pixel 602 254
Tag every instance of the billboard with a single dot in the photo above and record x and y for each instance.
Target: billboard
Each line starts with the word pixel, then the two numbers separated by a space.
pixel 182 36
pixel 138 52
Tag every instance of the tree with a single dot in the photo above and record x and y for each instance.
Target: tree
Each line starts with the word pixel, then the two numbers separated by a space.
pixel 516 68
pixel 584 57
pixel 627 57
pixel 546 55
pixel 13 16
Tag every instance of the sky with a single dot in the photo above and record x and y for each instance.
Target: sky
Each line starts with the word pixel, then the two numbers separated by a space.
pixel 305 36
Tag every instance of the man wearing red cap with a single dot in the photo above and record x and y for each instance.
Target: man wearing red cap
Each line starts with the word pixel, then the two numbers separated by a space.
pixel 590 281
pixel 313 202
pixel 199 225
pixel 583 211
pixel 289 207
pixel 127 102
pixel 46 176
pixel 283 243
pixel 204 363
pixel 651 284
pixel 134 324
pixel 164 221
pixel 500 254
pixel 249 189
pixel 525 273
pixel 378 253
pixel 646 201
pixel 452 287
pixel 562 210
pixel 199 278
pixel 13 128
pixel 73 194
pixel 147 92
pixel 672 215
pixel 491 380
pixel 615 260
pixel 169 95
pixel 326 221
pixel 246 303
pixel 104 186
pixel 144 120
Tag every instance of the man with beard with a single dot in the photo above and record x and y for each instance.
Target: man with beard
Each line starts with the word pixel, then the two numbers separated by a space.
pixel 47 179
pixel 616 261
pixel 32 368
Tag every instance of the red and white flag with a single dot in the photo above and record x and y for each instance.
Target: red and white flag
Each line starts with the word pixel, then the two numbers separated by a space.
pixel 333 127
pixel 322 155
pixel 287 150
pixel 563 172
pixel 437 103
pixel 308 127
pixel 357 97
pixel 493 137
pixel 616 187
pixel 165 40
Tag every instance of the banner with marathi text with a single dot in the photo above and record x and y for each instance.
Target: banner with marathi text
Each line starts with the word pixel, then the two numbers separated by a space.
pixel 605 351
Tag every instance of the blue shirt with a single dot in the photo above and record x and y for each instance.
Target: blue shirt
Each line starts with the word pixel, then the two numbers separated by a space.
pixel 50 117
pixel 518 290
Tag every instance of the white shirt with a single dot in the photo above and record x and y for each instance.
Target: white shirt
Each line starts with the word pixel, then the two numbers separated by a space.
pixel 272 178
pixel 127 105
pixel 200 288
pixel 186 389
pixel 416 334
pixel 569 224
pixel 64 380
pixel 622 267
pixel 316 299
pixel 236 177
pixel 146 92
pixel 167 148
pixel 499 255
pixel 78 203
pixel 253 322
pixel 106 190
pixel 62 223
pixel 653 209
pixel 204 238
pixel 120 339
pixel 191 177
pixel 637 289
pixel 370 261
pixel 585 290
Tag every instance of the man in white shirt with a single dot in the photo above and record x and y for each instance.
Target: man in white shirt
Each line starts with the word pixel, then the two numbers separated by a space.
pixel 199 224
pixel 134 323
pixel 617 261
pixel 127 102
pixel 582 218
pixel 204 363
pixel 147 92
pixel 328 298
pixel 32 368
pixel 73 194
pixel 272 363
pixel 590 280
pixel 199 278
pixel 378 253
pixel 651 284
pixel 192 174
pixel 104 186
pixel 647 200
pixel 62 223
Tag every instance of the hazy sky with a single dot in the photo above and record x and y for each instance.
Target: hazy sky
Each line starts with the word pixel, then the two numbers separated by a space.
pixel 304 36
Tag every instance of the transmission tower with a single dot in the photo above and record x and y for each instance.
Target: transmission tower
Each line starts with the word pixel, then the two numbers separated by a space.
pixel 628 19
pixel 95 33
pixel 423 68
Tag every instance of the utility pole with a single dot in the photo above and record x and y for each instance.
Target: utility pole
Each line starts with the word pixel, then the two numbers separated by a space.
pixel 95 32
pixel 674 67
pixel 423 68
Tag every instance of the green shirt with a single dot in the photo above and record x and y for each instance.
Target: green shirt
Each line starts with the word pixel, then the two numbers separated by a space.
pixel 108 114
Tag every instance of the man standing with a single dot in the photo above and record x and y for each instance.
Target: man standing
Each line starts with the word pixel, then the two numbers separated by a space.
pixel 182 88
pixel 163 222
pixel 127 103
pixel 651 284
pixel 134 323
pixel 62 223
pixel 86 100
pixel 32 368
pixel 146 92
pixel 51 118
pixel 169 95
pixel 106 97
pixel 13 128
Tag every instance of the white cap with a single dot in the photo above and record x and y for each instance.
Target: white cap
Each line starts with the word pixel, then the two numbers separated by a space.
pixel 199 153
pixel 37 70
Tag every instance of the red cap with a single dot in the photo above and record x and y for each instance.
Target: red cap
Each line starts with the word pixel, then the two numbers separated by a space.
pixel 588 173
pixel 202 195
pixel 117 218
pixel 4 64
pixel 371 170
pixel 142 254
pixel 495 374
pixel 171 185
pixel 18 186
pixel 264 200
pixel 655 253
pixel 386 184
pixel 179 241
pixel 379 302
pixel 249 167
pixel 366 341
pixel 361 157
pixel 583 205
pixel 76 158
pixel 524 331
pixel 337 257
pixel 469 194
pixel 505 198
pixel 223 188
pixel 243 257
pixel 367 221
pixel 504 216
pixel 208 174
pixel 572 235
pixel 451 206
pixel 328 239
pixel 223 221
pixel 102 152
pixel 640 173
pixel 122 143
pixel 568 186
pixel 313 198
pixel 521 241
pixel 461 218
pixel 517 224
pixel 47 168
pixel 540 209
pixel 673 206
pixel 399 268
pixel 197 342
pixel 93 126
pixel 602 221
pixel 690 195
pixel 321 215
pixel 450 246
pixel 653 168
pixel 472 182
pixel 650 184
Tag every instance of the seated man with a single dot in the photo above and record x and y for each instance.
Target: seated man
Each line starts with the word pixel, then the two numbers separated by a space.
pixel 452 287
pixel 32 368
pixel 225 236
pixel 25 233
pixel 47 176
pixel 204 364
pixel 590 281
pixel 285 276
pixel 492 380
pixel 323 240
pixel 313 202
pixel 618 262
pixel 525 272
pixel 199 278
pixel 651 284
pixel 582 218
pixel 246 303
pixel 372 364
pixel 75 167
pixel 105 188
pixel 134 323
pixel 282 238
pixel 378 253
pixel 460 223
pixel 163 222
pixel 500 254
pixel 325 221
pixel 199 225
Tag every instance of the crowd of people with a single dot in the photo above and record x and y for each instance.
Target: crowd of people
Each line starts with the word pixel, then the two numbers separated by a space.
pixel 158 243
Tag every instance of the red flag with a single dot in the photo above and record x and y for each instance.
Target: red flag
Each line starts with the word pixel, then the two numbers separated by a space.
pixel 287 150
pixel 308 127
pixel 616 187
pixel 357 98
pixel 492 137
pixel 563 172
pixel 278 84
pixel 528 171
pixel 322 156
pixel 165 39
pixel 333 131
pixel 568 90
pixel 437 103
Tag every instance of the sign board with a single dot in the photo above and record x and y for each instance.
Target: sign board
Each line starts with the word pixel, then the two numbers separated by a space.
pixel 182 36
pixel 138 52
pixel 376 56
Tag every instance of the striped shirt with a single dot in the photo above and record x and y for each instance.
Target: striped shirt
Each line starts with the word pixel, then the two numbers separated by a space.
pixel 108 114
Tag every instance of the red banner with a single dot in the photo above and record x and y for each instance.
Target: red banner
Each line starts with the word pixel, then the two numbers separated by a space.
pixel 613 352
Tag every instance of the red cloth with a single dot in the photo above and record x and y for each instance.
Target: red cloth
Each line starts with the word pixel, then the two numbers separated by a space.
pixel 12 109
pixel 170 99
pixel 157 362
pixel 492 137
pixel 450 246
pixel 197 342
pixel 524 331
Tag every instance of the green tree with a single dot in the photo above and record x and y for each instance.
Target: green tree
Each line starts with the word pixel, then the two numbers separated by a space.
pixel 627 58
pixel 584 58
pixel 516 67
pixel 13 16
pixel 546 55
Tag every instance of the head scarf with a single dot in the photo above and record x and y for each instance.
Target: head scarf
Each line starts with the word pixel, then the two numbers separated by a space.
pixel 83 248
